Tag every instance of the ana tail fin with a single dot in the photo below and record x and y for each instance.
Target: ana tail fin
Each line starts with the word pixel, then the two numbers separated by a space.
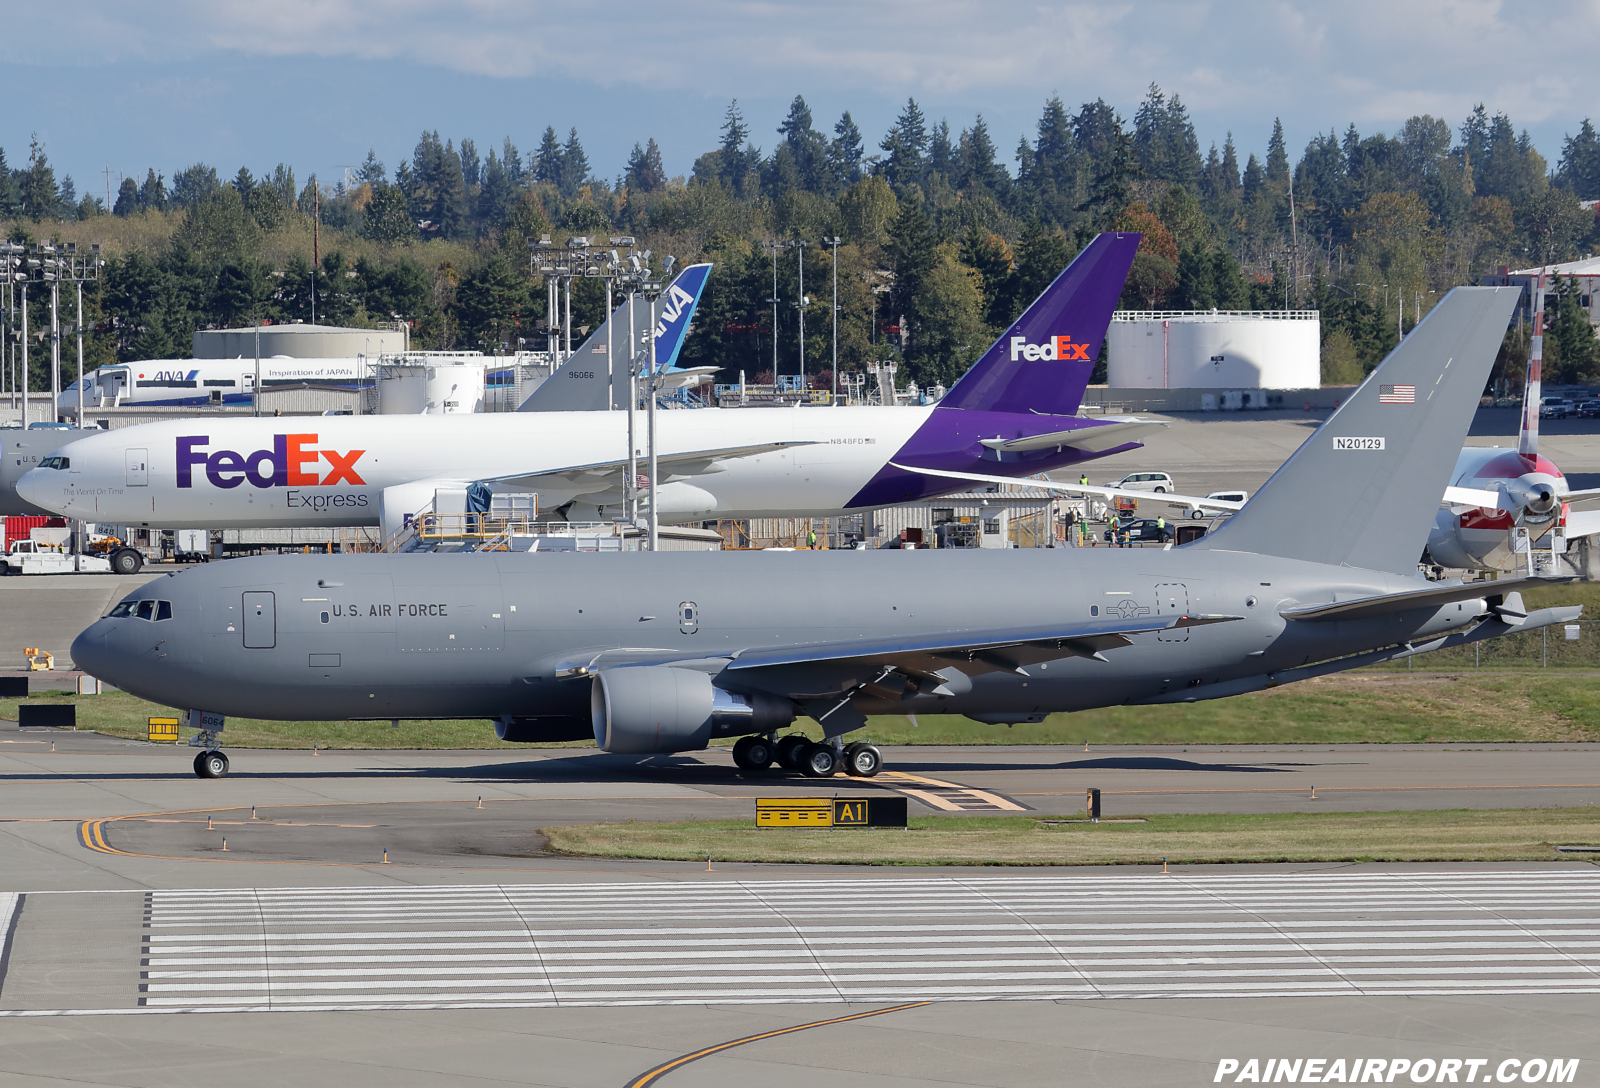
pixel 1043 362
pixel 1364 489
pixel 586 383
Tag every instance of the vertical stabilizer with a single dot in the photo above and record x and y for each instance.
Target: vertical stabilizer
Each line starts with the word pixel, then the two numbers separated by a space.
pixel 1363 490
pixel 1532 393
pixel 1043 362
pixel 582 383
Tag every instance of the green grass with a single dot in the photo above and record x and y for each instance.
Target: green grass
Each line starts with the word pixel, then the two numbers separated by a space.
pixel 1366 707
pixel 1460 835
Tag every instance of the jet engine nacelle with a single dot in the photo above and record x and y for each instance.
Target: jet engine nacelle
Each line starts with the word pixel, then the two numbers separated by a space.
pixel 640 709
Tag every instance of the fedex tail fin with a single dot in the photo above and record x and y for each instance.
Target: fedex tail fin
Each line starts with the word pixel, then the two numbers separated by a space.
pixel 1043 362
pixel 1363 490
pixel 583 382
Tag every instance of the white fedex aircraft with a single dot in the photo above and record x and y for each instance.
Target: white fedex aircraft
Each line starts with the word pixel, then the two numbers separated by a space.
pixel 1011 415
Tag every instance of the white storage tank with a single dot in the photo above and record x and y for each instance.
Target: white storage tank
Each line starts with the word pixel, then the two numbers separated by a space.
pixel 1214 349
pixel 298 341
pixel 429 388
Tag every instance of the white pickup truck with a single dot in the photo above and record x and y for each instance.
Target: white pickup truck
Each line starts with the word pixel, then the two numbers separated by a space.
pixel 43 557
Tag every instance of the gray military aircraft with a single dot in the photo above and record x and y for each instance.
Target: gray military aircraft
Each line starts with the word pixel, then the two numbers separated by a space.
pixel 662 652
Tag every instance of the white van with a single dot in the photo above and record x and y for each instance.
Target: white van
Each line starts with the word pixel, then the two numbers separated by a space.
pixel 1159 482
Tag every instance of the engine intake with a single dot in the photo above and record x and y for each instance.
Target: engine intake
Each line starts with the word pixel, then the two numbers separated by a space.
pixel 642 709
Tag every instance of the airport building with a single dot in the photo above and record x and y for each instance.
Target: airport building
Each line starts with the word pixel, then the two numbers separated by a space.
pixel 1214 349
pixel 1585 274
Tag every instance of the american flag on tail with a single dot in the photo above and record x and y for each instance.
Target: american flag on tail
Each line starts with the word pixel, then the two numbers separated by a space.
pixel 1397 394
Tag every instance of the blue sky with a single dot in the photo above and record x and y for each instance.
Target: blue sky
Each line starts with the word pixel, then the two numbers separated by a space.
pixel 315 83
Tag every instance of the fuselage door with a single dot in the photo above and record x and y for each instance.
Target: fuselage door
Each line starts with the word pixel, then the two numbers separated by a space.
pixel 260 620
pixel 138 474
pixel 1172 599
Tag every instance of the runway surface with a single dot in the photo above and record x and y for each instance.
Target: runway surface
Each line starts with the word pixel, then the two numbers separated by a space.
pixel 842 941
pixel 473 955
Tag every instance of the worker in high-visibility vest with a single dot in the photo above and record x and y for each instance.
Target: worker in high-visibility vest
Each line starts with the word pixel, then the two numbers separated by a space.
pixel 1161 528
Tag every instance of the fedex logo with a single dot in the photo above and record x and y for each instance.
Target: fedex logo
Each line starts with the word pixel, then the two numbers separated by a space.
pixel 1057 347
pixel 284 465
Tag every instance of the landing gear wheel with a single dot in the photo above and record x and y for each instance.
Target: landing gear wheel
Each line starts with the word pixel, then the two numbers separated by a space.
pixel 862 760
pixel 752 753
pixel 211 765
pixel 819 761
pixel 791 750
pixel 127 561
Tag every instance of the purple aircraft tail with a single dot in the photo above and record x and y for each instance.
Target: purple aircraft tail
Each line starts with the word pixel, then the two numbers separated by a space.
pixel 1043 362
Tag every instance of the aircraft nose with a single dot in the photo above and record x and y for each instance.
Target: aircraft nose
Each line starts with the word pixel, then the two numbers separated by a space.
pixel 29 486
pixel 91 654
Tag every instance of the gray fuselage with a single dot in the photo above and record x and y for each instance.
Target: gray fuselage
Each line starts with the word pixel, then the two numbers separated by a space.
pixel 485 635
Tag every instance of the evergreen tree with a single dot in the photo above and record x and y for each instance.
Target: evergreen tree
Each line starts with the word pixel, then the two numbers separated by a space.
pixel 911 248
pixel 737 159
pixel 1580 162
pixel 645 171
pixel 574 165
pixel 844 152
pixel 1230 290
pixel 1277 171
pixel 10 191
pixel 977 169
pixel 1196 286
pixel 1164 140
pixel 906 147
pixel 808 148
pixel 371 172
pixel 511 159
pixel 547 160
pixel 498 193
pixel 452 196
pixel 153 193
pixel 40 198
pixel 471 165
pixel 192 185
pixel 941 151
pixel 127 199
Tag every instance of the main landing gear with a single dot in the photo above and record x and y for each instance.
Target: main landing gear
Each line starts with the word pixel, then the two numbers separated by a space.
pixel 210 765
pixel 799 753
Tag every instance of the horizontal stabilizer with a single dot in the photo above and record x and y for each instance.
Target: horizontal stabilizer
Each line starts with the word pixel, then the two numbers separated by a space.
pixel 1472 496
pixel 1095 439
pixel 1177 502
pixel 1366 608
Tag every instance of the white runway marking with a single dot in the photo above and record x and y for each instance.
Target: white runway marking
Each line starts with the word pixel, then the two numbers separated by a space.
pixel 961 938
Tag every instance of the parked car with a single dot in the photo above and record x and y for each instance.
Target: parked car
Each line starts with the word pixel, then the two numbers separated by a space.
pixel 1159 482
pixel 1555 408
pixel 1589 409
pixel 1144 529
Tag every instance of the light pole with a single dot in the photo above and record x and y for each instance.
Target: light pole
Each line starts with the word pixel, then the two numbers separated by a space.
pixel 834 241
pixel 800 305
pixel 774 246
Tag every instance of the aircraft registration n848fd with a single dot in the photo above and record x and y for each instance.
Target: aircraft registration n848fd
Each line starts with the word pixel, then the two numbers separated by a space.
pixel 1010 415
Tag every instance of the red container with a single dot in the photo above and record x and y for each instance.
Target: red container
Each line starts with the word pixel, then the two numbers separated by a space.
pixel 20 526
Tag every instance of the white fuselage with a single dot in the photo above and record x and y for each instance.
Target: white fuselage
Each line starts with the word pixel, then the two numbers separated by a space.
pixel 337 468
pixel 181 382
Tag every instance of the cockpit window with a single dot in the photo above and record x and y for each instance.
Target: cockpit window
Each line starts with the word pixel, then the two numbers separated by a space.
pixel 147 610
pixel 124 609
pixel 163 610
pixel 56 461
pixel 154 611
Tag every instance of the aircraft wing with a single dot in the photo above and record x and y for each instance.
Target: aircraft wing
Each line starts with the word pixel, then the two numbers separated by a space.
pixel 1096 439
pixel 1579 496
pixel 970 651
pixel 1582 523
pixel 1177 502
pixel 1365 608
pixel 692 463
